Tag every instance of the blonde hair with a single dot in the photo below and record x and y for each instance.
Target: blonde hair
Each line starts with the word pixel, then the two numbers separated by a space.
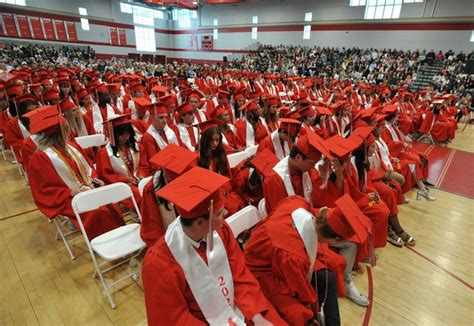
pixel 75 123
pixel 57 138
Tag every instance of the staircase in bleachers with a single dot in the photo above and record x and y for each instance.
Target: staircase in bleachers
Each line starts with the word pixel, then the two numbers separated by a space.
pixel 425 75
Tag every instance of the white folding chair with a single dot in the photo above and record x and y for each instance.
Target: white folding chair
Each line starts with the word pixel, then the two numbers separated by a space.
pixel 428 134
pixel 251 150
pixel 262 208
pixel 143 182
pixel 2 145
pixel 15 161
pixel 65 233
pixel 236 158
pixel 115 244
pixel 91 141
pixel 244 219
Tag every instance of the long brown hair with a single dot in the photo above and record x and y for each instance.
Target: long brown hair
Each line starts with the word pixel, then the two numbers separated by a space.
pixel 206 153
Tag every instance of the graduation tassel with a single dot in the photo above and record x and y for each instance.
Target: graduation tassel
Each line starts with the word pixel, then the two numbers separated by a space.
pixel 211 238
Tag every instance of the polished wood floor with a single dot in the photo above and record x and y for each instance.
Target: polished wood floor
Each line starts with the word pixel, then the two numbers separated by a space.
pixel 432 286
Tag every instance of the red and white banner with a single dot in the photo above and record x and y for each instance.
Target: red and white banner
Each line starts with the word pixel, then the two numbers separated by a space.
pixel 113 36
pixel 36 27
pixel 71 31
pixel 122 36
pixel 10 27
pixel 23 26
pixel 60 30
pixel 48 28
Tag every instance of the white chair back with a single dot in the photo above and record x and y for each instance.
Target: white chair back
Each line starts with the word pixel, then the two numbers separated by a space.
pixel 143 182
pixel 243 220
pixel 91 141
pixel 262 208
pixel 236 158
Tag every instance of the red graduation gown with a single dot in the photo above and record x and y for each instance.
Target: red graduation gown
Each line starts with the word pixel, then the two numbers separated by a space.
pixel 13 137
pixel 259 134
pixel 28 148
pixel 277 257
pixel 53 197
pixel 151 227
pixel 170 301
pixel 4 119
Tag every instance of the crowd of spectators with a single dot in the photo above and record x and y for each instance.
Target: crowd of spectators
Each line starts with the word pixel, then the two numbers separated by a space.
pixel 396 67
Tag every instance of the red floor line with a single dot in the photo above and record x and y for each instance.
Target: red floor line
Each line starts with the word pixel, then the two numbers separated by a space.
pixel 15 215
pixel 442 268
pixel 446 167
pixel 368 311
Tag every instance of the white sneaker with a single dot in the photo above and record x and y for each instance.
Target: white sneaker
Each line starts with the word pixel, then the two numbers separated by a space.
pixel 354 295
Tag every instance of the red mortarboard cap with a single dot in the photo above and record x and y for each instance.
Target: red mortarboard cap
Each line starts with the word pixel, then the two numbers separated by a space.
pixel 249 106
pixel 25 97
pixel 75 83
pixel 273 100
pixel 14 90
pixel 82 93
pixel 264 161
pixel 184 109
pixel 195 94
pixel 306 111
pixel 290 125
pixel 312 146
pixel 159 89
pixel 348 221
pixel 119 119
pixel 438 100
pixel 255 95
pixel 67 104
pixel 114 88
pixel 168 100
pixel 379 119
pixel 63 80
pixel 218 111
pixel 159 108
pixel 50 95
pixel 102 88
pixel 321 110
pixel 174 159
pixel 192 192
pixel 360 134
pixel 212 123
pixel 390 109
pixel 44 119
pixel 340 146
pixel 33 86
pixel 142 102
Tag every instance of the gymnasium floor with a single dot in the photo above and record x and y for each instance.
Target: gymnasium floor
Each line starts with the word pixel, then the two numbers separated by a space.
pixel 433 284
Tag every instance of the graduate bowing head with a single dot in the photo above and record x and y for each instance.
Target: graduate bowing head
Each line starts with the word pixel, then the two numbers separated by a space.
pixel 344 222
pixel 119 130
pixel 307 151
pixel 174 160
pixel 198 199
pixel 50 125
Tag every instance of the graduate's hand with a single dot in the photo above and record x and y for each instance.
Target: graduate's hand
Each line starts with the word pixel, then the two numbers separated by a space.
pixel 373 196
pixel 338 168
pixel 396 160
pixel 258 320
pixel 99 182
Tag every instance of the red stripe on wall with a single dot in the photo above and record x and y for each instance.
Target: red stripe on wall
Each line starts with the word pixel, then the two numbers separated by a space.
pixel 279 28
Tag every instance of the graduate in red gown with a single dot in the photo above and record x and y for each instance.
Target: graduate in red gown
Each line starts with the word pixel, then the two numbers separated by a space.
pixel 281 140
pixel 158 213
pixel 159 134
pixel 389 190
pixel 250 131
pixel 212 156
pixel 282 254
pixel 228 130
pixel 294 174
pixel 187 132
pixel 199 288
pixel 59 171
pixel 122 159
pixel 80 124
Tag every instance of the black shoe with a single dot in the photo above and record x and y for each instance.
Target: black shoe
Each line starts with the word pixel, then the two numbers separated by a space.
pixel 427 183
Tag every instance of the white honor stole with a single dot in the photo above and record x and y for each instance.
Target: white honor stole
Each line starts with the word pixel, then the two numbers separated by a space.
pixel 280 151
pixel 264 123
pixel 170 135
pixel 283 171
pixel 249 135
pixel 186 138
pixel 303 221
pixel 119 105
pixel 118 164
pixel 224 139
pixel 384 152
pixel 63 170
pixel 344 123
pixel 212 284
pixel 97 119
pixel 133 109
pixel 110 110
pixel 24 132
pixel 201 118
pixel 334 123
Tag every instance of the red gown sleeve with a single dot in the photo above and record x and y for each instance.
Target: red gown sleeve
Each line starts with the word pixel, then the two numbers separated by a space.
pixel 105 170
pixel 143 165
pixel 274 191
pixel 149 146
pixel 151 228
